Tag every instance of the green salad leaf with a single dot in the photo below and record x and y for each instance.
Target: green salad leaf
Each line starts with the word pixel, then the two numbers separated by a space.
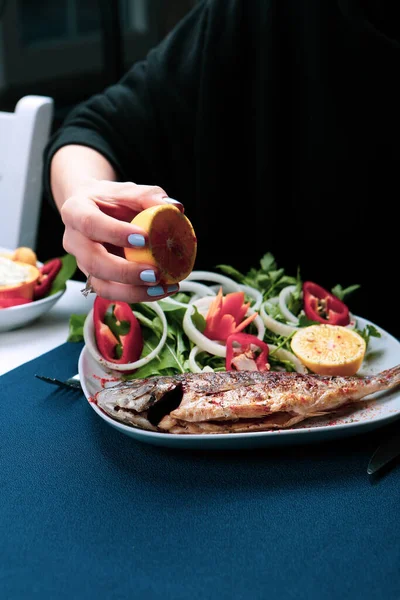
pixel 66 272
pixel 76 323
pixel 343 292
pixel 368 332
pixel 174 356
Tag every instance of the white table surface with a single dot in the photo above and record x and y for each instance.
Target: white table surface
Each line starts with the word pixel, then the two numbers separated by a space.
pixel 49 331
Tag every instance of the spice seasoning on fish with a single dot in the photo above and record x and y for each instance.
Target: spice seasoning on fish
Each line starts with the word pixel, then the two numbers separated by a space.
pixel 235 401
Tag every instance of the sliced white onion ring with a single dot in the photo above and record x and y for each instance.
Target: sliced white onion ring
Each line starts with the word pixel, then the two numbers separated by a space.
pixel 283 354
pixel 274 325
pixel 194 367
pixel 227 283
pixel 199 290
pixel 90 341
pixel 196 288
pixel 198 338
pixel 284 295
pixel 256 295
pixel 202 304
pixel 258 322
pixel 171 300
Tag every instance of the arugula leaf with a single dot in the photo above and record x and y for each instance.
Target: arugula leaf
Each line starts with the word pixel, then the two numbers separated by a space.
pixel 216 363
pixel 198 320
pixel 66 272
pixel 231 272
pixel 145 321
pixel 76 323
pixel 273 311
pixel 267 262
pixel 295 301
pixel 368 332
pixel 169 361
pixel 279 363
pixel 342 292
pixel 170 306
pixel 268 279
pixel 306 322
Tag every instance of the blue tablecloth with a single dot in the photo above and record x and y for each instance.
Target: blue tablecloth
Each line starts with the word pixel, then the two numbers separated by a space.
pixel 87 512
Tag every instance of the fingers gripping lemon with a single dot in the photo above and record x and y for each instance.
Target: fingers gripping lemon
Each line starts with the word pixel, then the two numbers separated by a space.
pixel 329 349
pixel 171 245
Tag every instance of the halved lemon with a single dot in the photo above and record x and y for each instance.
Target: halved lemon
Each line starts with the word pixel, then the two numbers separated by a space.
pixel 172 243
pixel 329 349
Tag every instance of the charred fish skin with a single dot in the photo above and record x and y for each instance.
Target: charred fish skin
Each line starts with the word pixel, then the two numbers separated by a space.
pixel 131 402
pixel 235 401
pixel 293 393
pixel 137 394
pixel 140 394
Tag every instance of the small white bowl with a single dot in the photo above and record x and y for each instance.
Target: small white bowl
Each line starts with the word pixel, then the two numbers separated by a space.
pixel 15 317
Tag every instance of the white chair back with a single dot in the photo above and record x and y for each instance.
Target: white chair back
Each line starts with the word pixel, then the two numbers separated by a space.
pixel 23 136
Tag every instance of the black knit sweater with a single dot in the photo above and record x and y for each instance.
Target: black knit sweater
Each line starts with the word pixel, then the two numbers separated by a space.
pixel 276 123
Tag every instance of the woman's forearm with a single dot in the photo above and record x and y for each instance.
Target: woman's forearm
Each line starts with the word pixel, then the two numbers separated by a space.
pixel 74 166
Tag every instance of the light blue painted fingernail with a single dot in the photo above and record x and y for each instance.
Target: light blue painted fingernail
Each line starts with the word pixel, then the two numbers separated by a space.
pixel 156 290
pixel 174 202
pixel 148 276
pixel 135 239
pixel 172 288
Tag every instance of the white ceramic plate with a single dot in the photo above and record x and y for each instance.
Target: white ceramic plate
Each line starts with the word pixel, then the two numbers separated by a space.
pixel 19 316
pixel 383 353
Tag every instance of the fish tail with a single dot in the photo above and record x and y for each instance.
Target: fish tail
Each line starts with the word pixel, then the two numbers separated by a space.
pixel 386 379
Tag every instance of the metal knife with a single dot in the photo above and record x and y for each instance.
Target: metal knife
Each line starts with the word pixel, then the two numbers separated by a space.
pixel 384 454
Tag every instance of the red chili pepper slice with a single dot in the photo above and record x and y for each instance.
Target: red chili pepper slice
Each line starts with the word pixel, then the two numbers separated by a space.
pixel 323 306
pixel 48 273
pixel 246 352
pixel 8 302
pixel 130 343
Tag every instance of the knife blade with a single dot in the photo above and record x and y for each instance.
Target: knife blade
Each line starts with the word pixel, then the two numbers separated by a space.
pixel 384 454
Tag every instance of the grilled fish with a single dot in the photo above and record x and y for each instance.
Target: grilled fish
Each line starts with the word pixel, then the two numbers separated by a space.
pixel 235 401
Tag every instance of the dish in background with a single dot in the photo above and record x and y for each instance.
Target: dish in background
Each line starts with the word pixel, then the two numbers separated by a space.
pixel 19 316
pixel 15 317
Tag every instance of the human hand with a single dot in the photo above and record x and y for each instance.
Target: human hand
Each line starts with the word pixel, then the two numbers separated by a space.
pixel 97 228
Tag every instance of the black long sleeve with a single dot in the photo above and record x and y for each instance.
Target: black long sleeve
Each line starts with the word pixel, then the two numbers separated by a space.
pixel 276 123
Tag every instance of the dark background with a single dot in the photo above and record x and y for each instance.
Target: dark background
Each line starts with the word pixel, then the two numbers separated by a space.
pixel 69 50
